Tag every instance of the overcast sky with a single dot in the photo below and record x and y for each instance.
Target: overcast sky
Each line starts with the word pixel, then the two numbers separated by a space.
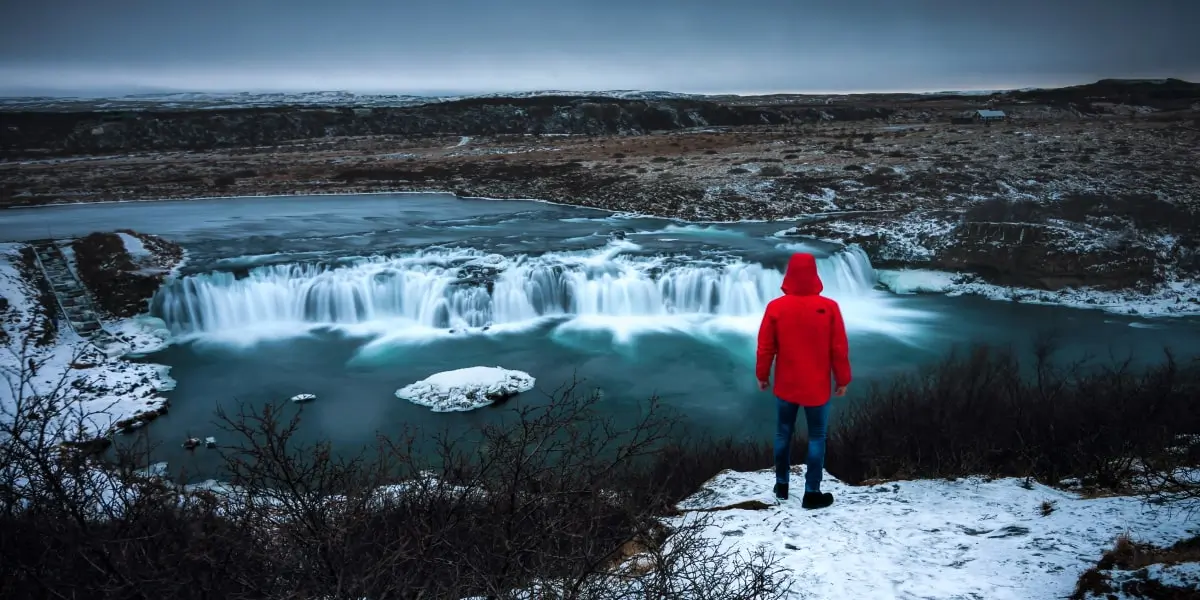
pixel 706 46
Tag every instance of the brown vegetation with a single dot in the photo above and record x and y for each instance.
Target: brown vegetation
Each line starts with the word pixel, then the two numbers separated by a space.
pixel 117 284
pixel 984 412
pixel 1128 555
pixel 557 498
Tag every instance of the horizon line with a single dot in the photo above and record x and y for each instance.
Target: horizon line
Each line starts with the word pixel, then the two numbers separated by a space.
pixel 82 95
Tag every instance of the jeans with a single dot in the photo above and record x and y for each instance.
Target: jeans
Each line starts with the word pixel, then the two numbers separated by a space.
pixel 817 418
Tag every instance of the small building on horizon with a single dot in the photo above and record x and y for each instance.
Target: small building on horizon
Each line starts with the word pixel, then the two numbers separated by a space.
pixel 988 115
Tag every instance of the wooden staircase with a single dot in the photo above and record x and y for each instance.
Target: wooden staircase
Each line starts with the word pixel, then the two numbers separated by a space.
pixel 73 300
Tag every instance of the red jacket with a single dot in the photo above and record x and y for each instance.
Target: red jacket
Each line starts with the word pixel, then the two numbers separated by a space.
pixel 802 332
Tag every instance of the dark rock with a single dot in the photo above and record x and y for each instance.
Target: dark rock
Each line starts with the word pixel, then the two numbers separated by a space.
pixel 117 284
pixel 478 275
pixel 1043 257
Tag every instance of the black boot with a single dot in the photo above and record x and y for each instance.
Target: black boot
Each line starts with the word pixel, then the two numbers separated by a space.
pixel 816 500
pixel 781 491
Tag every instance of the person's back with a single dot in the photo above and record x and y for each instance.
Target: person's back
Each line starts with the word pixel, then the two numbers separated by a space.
pixel 804 335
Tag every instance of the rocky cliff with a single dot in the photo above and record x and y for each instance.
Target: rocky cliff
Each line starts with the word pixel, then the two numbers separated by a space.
pixel 33 134
pixel 1045 257
pixel 1106 242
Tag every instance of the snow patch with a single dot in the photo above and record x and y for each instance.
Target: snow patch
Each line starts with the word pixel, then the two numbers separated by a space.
pixel 466 389
pixel 136 249
pixel 304 398
pixel 967 538
pixel 916 281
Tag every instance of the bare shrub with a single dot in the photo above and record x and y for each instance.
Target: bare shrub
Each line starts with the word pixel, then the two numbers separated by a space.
pixel 556 497
pixel 983 412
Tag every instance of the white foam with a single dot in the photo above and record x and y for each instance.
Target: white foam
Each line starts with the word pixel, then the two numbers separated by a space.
pixel 693 229
pixel 422 297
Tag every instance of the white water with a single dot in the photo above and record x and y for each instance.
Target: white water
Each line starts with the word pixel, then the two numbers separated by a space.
pixel 424 294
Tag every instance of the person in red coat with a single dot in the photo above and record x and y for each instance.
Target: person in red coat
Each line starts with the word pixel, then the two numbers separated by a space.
pixel 803 334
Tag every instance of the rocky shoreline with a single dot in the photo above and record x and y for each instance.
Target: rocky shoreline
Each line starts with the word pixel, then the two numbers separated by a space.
pixel 109 393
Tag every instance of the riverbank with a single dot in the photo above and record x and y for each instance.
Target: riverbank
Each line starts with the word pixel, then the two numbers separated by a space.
pixel 1047 205
pixel 1173 299
pixel 83 393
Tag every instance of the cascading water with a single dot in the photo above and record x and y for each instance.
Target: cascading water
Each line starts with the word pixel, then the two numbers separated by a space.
pixel 456 289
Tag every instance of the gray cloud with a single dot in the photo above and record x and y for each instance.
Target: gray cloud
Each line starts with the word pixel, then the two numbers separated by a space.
pixel 699 45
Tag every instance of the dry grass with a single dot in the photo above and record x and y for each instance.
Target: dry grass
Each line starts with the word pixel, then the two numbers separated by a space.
pixel 1128 555
pixel 1010 152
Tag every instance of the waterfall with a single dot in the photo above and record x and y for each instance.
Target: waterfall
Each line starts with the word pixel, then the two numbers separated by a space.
pixel 451 289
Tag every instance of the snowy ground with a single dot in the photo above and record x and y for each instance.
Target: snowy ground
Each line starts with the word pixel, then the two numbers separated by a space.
pixel 933 539
pixel 107 390
pixel 466 389
pixel 1175 298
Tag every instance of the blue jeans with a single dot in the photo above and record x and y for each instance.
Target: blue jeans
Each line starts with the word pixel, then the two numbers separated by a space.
pixel 817 418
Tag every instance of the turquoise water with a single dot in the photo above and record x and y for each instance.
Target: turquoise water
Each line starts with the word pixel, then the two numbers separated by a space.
pixel 353 297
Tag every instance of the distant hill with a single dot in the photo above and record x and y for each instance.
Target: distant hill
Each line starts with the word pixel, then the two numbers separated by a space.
pixel 331 99
pixel 1160 94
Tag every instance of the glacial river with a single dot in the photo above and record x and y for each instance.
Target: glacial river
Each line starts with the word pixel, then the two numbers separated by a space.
pixel 352 297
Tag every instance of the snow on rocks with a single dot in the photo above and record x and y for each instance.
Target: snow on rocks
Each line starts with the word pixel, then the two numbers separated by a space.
pixel 156 470
pixel 1171 299
pixel 930 539
pixel 142 334
pixel 1182 577
pixel 1177 298
pixel 466 389
pixel 298 398
pixel 99 392
pixel 916 281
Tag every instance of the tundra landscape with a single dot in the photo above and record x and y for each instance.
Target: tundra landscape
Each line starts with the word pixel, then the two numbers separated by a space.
pixel 337 345
pixel 1094 185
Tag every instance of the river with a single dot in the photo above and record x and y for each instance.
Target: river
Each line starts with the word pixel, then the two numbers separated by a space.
pixel 352 297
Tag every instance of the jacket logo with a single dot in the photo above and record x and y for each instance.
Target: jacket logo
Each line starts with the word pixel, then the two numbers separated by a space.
pixel 820 311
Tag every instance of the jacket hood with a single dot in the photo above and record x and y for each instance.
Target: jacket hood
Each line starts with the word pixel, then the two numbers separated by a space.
pixel 801 278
